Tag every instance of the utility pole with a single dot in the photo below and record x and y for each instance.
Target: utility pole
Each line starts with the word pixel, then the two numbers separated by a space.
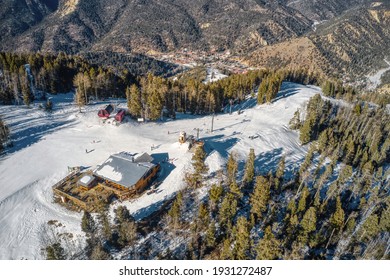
pixel 197 133
pixel 212 122
pixel 185 101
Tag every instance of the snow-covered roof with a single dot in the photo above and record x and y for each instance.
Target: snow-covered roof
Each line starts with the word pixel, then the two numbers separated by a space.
pixel 124 168
pixel 143 157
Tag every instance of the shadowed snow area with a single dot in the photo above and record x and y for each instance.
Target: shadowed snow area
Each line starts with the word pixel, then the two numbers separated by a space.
pixel 47 143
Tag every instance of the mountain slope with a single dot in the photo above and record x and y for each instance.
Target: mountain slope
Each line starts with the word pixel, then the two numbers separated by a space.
pixel 351 45
pixel 323 10
pixel 161 25
pixel 18 16
pixel 358 41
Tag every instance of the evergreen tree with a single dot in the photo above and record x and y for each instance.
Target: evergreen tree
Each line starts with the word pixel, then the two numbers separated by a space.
pixel 280 173
pixel 4 134
pixel 106 226
pixel 309 220
pixel 175 210
pixel 370 228
pixel 226 252
pixel 134 101
pixel 260 197
pixel 227 211
pixel 99 253
pixel 303 199
pixel 211 235
pixel 88 223
pixel 232 168
pixel 242 240
pixel 26 88
pixel 55 252
pixel 203 216
pixel 268 248
pixel 337 218
pixel 122 214
pixel 250 168
pixel 127 233
pixel 235 189
pixel 384 224
pixel 215 193
pixel 195 180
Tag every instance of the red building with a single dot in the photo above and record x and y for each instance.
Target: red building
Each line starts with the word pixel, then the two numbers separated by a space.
pixel 120 115
pixel 105 113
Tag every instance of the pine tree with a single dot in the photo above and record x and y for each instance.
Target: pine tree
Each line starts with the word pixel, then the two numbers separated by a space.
pixel 280 173
pixel 98 253
pixel 232 168
pixel 226 252
pixel 337 218
pixel 81 91
pixel 203 216
pixel 175 210
pixel 281 166
pixel 88 223
pixel 303 199
pixel 309 220
pixel 305 132
pixel 26 88
pixel 242 240
pixel 127 233
pixel 227 211
pixel 55 252
pixel 250 168
pixel 211 235
pixel 195 180
pixel 384 224
pixel 235 189
pixel 260 197
pixel 134 102
pixel 370 227
pixel 215 193
pixel 122 214
pixel 263 89
pixel 155 104
pixel 268 248
pixel 106 226
pixel 4 133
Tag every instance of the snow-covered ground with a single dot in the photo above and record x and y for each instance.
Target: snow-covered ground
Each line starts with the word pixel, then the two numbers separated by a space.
pixel 213 75
pixel 45 144
pixel 375 80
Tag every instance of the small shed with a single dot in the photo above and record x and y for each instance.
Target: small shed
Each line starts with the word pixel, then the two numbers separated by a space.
pixel 120 115
pixel 105 113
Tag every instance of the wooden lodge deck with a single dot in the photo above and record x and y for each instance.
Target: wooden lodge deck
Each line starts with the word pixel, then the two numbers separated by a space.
pixel 69 192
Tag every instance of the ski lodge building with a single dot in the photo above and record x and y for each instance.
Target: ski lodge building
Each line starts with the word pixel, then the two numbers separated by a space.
pixel 127 173
pixel 121 176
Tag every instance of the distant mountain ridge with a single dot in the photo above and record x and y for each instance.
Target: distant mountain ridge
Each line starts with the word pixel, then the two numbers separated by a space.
pixel 140 25
pixel 349 34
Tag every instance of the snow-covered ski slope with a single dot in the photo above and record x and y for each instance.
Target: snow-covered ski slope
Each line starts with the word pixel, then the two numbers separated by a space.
pixel 45 144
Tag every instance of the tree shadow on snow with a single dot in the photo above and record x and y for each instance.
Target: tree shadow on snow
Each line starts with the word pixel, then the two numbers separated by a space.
pixel 267 161
pixel 219 143
pixel 287 89
pixel 30 135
